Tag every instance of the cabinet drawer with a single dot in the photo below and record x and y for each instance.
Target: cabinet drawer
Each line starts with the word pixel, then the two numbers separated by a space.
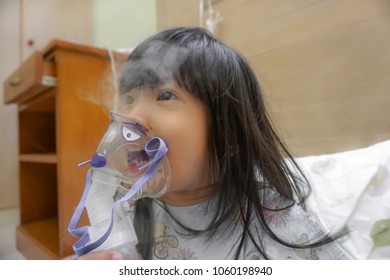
pixel 31 78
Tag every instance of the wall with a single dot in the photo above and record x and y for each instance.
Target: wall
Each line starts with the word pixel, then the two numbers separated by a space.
pixel 43 20
pixel 10 59
pixel 324 65
pixel 123 23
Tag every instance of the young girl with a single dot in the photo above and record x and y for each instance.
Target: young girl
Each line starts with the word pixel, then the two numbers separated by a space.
pixel 236 192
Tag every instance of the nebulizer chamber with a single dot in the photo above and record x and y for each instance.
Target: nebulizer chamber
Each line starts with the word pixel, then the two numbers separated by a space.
pixel 129 164
pixel 98 205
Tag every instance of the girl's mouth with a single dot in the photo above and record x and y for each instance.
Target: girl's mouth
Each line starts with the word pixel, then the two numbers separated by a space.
pixel 136 159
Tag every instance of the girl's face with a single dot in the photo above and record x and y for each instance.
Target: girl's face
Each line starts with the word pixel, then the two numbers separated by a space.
pixel 177 117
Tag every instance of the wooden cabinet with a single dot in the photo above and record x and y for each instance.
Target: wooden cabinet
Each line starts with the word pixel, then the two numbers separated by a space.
pixel 59 92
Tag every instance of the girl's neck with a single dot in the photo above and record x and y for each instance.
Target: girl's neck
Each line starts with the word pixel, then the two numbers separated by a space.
pixel 192 197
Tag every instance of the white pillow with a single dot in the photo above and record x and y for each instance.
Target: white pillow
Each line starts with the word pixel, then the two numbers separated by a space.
pixel 352 189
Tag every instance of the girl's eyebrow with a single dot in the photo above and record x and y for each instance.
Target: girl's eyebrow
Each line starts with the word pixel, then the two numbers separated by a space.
pixel 136 126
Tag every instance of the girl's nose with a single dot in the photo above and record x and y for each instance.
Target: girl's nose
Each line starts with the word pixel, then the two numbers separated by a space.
pixel 141 112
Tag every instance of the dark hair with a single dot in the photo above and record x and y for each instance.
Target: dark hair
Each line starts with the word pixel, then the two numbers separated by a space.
pixel 246 153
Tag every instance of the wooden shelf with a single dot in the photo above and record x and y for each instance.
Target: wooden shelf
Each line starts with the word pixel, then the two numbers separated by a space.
pixel 39 240
pixel 39 158
pixel 58 127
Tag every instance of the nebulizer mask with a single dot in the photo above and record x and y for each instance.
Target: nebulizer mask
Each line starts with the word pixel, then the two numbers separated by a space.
pixel 128 165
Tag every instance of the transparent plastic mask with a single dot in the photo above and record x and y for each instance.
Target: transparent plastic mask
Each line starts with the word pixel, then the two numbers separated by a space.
pixel 126 151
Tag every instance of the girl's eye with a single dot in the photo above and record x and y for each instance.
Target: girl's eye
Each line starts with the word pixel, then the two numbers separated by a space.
pixel 166 95
pixel 126 99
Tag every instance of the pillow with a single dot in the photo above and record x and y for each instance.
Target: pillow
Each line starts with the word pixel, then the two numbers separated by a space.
pixel 352 190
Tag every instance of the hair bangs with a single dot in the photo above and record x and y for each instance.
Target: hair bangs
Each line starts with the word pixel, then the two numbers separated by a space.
pixel 156 64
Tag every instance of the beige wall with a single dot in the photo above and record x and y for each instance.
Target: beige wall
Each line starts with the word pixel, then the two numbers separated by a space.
pixel 324 65
pixel 10 59
pixel 123 23
pixel 43 20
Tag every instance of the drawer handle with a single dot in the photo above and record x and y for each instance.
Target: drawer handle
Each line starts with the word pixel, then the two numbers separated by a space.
pixel 15 81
